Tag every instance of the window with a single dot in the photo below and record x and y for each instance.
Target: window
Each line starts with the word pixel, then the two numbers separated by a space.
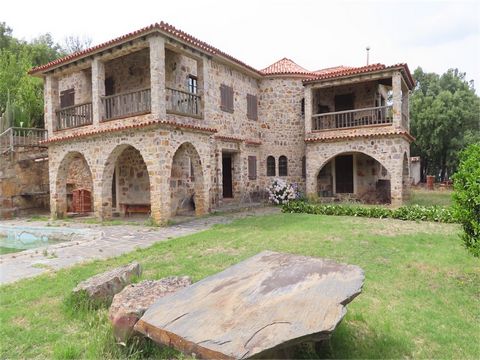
pixel 109 86
pixel 226 98
pixel 192 84
pixel 252 107
pixel 67 98
pixel 282 166
pixel 302 106
pixel 271 166
pixel 304 167
pixel 252 167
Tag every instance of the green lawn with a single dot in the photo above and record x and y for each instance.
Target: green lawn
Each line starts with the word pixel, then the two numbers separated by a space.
pixel 430 197
pixel 421 296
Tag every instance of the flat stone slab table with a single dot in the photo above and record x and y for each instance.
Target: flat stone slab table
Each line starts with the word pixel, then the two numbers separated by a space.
pixel 266 303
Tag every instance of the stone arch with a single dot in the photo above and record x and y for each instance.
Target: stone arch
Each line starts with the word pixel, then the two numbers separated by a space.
pixel 127 167
pixel 187 182
pixel 371 179
pixel 73 173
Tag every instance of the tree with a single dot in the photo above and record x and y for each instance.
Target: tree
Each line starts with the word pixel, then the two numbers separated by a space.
pixel 444 115
pixel 75 43
pixel 467 197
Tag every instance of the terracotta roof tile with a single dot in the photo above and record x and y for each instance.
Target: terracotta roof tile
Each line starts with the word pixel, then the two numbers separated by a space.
pixel 346 71
pixel 332 136
pixel 128 127
pixel 163 27
pixel 285 66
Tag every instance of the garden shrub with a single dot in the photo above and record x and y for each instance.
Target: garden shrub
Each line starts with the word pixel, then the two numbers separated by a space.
pixel 466 197
pixel 280 192
pixel 414 212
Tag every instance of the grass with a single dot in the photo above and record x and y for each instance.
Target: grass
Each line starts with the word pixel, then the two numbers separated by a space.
pixel 421 296
pixel 430 197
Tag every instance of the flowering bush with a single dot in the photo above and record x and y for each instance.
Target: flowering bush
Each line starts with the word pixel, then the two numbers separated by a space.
pixel 280 192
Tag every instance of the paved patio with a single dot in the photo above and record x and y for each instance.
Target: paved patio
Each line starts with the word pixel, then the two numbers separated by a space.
pixel 102 242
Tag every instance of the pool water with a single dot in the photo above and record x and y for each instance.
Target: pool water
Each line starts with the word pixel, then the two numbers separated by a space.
pixel 16 239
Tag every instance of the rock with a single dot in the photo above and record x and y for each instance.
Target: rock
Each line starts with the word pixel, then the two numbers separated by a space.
pixel 265 304
pixel 101 288
pixel 131 303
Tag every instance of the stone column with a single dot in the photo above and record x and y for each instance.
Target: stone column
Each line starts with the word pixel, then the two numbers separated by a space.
pixel 157 76
pixel 397 99
pixel 308 109
pixel 396 182
pixel 202 85
pixel 310 181
pixel 52 103
pixel 98 90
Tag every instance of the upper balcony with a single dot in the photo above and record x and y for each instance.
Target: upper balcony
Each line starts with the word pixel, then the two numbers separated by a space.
pixel 119 85
pixel 356 103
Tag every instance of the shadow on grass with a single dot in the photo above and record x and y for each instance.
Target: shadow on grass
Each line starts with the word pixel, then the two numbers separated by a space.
pixel 361 342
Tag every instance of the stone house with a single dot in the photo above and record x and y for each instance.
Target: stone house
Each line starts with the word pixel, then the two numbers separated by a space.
pixel 159 120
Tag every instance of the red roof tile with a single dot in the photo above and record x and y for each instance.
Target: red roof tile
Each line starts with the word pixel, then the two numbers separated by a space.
pixel 332 69
pixel 345 72
pixel 162 27
pixel 332 136
pixel 128 127
pixel 286 67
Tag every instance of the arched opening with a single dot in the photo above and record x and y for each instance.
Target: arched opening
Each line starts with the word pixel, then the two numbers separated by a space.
pixel 186 182
pixel 74 186
pixel 354 176
pixel 271 171
pixel 125 183
pixel 282 166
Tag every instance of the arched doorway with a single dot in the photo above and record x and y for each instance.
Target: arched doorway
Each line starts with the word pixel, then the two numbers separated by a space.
pixel 354 176
pixel 73 186
pixel 125 183
pixel 187 191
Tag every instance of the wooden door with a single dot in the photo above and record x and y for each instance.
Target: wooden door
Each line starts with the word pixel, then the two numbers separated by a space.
pixel 227 176
pixel 344 174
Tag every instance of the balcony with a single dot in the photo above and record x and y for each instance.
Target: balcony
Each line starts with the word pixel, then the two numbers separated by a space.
pixel 74 116
pixel 126 104
pixel 182 102
pixel 380 115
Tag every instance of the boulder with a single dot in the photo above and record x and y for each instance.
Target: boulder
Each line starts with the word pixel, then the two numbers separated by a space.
pixel 101 288
pixel 131 303
pixel 261 307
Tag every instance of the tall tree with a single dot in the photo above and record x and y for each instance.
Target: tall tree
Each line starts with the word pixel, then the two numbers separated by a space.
pixel 75 43
pixel 445 117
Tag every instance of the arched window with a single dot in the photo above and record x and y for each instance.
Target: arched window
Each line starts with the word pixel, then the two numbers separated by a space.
pixel 270 166
pixel 282 166
pixel 304 166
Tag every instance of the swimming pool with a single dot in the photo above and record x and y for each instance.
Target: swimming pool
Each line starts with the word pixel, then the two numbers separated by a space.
pixel 20 238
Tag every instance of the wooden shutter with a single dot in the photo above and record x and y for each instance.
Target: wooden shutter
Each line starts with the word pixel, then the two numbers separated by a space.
pixel 252 107
pixel 67 98
pixel 252 167
pixel 226 98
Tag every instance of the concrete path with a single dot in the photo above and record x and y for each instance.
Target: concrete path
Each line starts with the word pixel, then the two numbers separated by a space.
pixel 101 242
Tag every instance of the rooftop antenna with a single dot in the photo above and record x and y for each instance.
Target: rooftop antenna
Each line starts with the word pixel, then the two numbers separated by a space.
pixel 368 54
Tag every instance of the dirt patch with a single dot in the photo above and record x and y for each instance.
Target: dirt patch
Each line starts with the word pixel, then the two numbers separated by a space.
pixel 221 250
pixel 20 321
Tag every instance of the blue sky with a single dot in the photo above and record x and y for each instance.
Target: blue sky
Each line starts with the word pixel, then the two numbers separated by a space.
pixel 436 35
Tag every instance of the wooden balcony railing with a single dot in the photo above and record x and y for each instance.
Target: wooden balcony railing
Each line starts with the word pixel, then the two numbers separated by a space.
pixel 74 116
pixel 15 136
pixel 182 102
pixel 126 104
pixel 352 118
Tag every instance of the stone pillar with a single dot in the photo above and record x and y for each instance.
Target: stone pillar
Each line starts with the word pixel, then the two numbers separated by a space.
pixel 396 183
pixel 397 99
pixel 98 90
pixel 310 181
pixel 52 103
pixel 157 76
pixel 308 110
pixel 202 85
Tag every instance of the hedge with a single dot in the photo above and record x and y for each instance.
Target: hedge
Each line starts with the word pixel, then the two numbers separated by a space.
pixel 413 212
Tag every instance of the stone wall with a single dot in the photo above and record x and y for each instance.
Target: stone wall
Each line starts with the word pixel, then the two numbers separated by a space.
pixel 177 69
pixel 129 72
pixel 133 183
pixel 283 127
pixel 79 176
pixel 363 95
pixel 81 82
pixel 23 181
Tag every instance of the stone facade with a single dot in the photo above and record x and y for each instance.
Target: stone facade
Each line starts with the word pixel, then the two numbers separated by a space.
pixel 175 161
